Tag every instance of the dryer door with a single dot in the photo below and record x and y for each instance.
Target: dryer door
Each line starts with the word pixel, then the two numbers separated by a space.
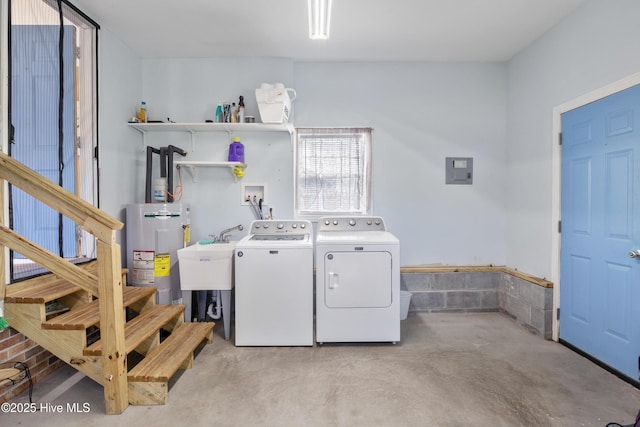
pixel 357 279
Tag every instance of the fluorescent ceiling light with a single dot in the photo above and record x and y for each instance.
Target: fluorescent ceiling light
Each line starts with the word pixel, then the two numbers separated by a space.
pixel 319 19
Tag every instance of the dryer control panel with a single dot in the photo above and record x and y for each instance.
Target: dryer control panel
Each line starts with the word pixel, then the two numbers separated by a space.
pixel 344 223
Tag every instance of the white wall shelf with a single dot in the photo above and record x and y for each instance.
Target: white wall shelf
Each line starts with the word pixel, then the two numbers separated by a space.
pixel 213 127
pixel 193 165
pixel 229 128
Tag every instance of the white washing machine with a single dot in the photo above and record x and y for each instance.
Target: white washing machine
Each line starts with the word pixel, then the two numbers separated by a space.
pixel 357 281
pixel 274 284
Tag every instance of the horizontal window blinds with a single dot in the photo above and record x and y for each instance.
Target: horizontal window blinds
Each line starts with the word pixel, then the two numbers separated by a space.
pixel 333 169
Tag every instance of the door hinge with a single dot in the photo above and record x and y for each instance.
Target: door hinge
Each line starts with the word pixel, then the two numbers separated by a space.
pixel 560 138
pixel 560 227
pixel 557 314
pixel 77 52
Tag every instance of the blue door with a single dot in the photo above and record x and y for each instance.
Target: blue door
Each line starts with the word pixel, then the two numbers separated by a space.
pixel 600 282
pixel 34 115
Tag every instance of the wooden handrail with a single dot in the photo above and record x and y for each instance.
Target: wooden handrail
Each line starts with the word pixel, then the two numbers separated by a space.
pixel 63 269
pixel 79 211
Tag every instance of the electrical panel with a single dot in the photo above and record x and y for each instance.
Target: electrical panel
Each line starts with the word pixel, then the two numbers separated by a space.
pixel 459 170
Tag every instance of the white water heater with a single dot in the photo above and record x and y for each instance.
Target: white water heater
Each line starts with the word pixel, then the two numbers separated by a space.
pixel 155 232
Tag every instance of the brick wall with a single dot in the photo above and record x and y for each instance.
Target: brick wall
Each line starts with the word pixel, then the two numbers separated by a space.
pixel 15 347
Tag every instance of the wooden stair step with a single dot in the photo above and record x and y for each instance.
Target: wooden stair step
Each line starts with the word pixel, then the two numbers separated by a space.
pixel 163 361
pixel 41 293
pixel 47 288
pixel 89 314
pixel 149 380
pixel 141 327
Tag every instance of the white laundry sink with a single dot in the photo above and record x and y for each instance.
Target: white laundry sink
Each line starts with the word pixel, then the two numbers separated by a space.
pixel 206 266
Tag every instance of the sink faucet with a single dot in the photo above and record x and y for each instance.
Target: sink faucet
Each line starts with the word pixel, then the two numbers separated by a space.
pixel 223 238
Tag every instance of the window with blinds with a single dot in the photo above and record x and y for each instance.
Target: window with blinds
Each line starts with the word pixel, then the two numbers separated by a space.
pixel 333 172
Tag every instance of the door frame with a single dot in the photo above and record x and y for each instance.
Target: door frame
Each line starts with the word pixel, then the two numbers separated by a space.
pixel 556 171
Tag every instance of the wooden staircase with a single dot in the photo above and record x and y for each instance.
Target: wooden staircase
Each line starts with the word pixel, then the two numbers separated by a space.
pixel 74 337
pixel 104 324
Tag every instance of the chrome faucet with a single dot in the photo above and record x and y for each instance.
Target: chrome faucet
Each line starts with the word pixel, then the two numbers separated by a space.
pixel 223 238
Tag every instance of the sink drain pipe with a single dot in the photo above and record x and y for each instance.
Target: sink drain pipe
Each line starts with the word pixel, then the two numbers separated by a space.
pixel 218 313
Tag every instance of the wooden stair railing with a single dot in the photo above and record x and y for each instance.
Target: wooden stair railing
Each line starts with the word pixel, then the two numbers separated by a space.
pixel 106 283
pixel 82 213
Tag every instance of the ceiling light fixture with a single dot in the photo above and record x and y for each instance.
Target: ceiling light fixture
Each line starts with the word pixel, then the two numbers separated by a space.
pixel 319 19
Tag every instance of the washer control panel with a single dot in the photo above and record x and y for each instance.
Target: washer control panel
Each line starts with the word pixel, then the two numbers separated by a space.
pixel 344 223
pixel 270 227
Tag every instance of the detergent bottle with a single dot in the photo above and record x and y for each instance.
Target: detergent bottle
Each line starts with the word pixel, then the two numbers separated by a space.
pixel 236 151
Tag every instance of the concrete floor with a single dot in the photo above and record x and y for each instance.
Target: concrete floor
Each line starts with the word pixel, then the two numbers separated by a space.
pixel 449 370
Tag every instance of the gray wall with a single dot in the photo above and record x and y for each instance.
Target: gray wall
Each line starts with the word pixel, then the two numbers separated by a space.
pixel 422 113
pixel 499 114
pixel 593 47
pixel 119 90
pixel 188 91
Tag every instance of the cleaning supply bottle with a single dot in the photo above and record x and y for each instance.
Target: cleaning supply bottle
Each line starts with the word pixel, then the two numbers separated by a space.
pixel 226 112
pixel 236 151
pixel 241 109
pixel 142 113
pixel 234 113
pixel 219 114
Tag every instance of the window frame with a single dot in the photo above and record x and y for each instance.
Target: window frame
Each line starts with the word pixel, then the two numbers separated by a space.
pixel 83 140
pixel 360 135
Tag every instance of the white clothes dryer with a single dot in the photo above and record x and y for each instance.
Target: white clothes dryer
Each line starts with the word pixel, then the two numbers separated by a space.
pixel 274 284
pixel 357 281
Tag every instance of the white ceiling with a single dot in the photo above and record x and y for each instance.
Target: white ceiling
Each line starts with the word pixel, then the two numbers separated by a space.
pixel 361 30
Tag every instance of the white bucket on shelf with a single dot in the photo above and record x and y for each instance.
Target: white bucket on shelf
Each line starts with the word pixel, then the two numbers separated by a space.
pixel 274 102
pixel 405 300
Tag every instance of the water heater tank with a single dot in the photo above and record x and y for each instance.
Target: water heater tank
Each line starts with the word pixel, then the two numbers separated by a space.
pixel 155 232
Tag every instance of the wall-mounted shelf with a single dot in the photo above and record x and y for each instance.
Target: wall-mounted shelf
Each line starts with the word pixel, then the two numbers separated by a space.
pixel 193 165
pixel 213 127
pixel 229 128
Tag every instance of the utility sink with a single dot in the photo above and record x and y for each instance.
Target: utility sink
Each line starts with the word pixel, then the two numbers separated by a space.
pixel 206 266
